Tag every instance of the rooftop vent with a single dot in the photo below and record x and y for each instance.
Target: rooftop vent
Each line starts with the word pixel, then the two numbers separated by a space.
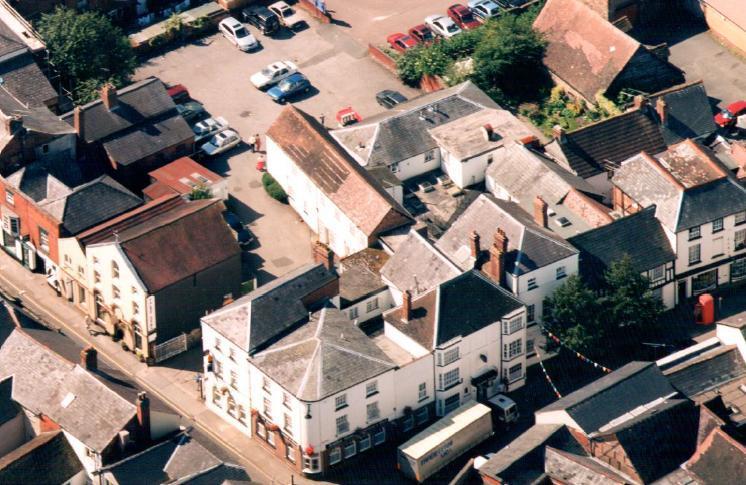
pixel 67 400
pixel 562 221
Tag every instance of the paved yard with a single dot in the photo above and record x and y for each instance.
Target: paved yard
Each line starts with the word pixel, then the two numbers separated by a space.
pixel 217 74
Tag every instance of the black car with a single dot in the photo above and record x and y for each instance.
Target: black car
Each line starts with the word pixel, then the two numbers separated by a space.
pixel 262 18
pixel 511 3
pixel 388 98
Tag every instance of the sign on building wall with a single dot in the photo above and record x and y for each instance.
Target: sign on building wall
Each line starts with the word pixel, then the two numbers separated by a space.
pixel 150 313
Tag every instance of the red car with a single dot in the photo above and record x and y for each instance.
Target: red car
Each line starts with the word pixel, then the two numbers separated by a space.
pixel 729 115
pixel 401 42
pixel 463 16
pixel 422 34
pixel 178 93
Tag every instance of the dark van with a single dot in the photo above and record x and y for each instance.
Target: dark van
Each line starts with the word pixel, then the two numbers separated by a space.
pixel 262 18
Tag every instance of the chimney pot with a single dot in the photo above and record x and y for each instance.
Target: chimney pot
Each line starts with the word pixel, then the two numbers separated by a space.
pixel 89 358
pixel 496 264
pixel 143 416
pixel 540 212
pixel 406 306
pixel 662 109
pixel 639 101
pixel 474 244
pixel 79 122
pixel 109 96
pixel 487 131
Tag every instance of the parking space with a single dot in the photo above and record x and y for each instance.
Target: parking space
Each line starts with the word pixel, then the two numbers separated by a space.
pixel 217 74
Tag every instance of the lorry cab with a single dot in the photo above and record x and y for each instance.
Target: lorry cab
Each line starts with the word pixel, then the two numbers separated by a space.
pixel 504 409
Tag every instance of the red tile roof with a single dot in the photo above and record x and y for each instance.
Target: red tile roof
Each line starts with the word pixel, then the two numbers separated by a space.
pixel 182 172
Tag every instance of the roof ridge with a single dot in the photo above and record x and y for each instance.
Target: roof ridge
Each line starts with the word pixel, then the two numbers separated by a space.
pixel 198 206
pixel 359 354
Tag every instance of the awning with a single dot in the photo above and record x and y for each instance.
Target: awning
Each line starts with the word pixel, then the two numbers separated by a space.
pixel 490 374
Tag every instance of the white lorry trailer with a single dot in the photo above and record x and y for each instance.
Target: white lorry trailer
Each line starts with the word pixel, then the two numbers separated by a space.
pixel 444 441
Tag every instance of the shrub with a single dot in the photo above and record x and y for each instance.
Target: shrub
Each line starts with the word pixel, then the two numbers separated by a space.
pixel 273 188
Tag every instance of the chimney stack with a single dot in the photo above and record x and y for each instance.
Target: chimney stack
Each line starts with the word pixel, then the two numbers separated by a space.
pixel 639 101
pixel 540 212
pixel 559 133
pixel 474 244
pixel 530 141
pixel 496 265
pixel 143 416
pixel 487 131
pixel 406 306
pixel 662 109
pixel 89 358
pixel 109 96
pixel 322 254
pixel 78 122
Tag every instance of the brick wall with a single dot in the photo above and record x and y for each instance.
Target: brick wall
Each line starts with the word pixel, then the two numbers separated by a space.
pixel 309 7
pixel 328 291
pixel 589 210
pixel 382 58
pixel 609 450
pixel 623 203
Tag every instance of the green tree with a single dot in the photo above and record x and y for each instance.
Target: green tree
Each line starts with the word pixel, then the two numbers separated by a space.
pixel 200 192
pixel 574 315
pixel 508 61
pixel 87 50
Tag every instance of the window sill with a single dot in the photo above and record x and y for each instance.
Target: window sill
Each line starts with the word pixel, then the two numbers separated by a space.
pixel 695 238
pixel 692 263
pixel 718 230
pixel 422 399
pixel 341 407
pixel 714 256
pixel 371 394
pixel 458 382
pixel 561 277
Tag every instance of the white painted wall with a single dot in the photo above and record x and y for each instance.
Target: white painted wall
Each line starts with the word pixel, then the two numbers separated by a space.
pixel 413 166
pixel 324 218
pixel 90 461
pixel 732 336
pixel 378 303
pixel 466 172
pixel 546 279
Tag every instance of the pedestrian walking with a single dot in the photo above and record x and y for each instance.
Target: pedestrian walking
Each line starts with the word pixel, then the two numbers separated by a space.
pixel 252 144
pixel 257 143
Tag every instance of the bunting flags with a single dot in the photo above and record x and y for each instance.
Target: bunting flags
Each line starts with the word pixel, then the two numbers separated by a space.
pixel 578 354
pixel 549 379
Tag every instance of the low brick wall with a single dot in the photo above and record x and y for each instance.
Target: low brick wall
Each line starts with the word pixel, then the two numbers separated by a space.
pixel 382 58
pixel 309 7
pixel 431 84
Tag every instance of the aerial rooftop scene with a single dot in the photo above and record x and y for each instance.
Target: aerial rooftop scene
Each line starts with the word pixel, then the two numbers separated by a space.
pixel 495 242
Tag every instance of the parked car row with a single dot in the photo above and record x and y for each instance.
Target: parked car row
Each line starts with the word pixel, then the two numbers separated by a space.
pixel 281 80
pixel 267 20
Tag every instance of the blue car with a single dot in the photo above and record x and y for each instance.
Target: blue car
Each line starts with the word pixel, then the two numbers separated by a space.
pixel 289 87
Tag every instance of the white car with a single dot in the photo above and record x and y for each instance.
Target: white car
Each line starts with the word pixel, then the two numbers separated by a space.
pixel 288 17
pixel 442 26
pixel 273 74
pixel 237 34
pixel 484 9
pixel 208 127
pixel 223 141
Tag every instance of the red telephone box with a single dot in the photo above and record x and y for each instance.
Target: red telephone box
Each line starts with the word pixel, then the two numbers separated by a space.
pixel 704 309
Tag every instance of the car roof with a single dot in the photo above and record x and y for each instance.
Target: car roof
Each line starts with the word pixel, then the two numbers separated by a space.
pixel 280 5
pixel 296 76
pixel 420 27
pixel 231 21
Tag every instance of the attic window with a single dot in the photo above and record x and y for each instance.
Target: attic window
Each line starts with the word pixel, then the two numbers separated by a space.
pixel 562 221
pixel 201 179
pixel 68 400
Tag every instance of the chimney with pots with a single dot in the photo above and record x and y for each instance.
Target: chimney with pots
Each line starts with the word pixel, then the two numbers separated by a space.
pixel 540 212
pixel 322 254
pixel 406 306
pixel 487 132
pixel 143 416
pixel 639 101
pixel 495 267
pixel 530 141
pixel 78 122
pixel 474 245
pixel 661 108
pixel 559 133
pixel 89 358
pixel 109 96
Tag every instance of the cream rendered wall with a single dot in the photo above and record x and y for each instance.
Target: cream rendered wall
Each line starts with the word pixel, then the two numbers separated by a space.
pixel 416 165
pixel 732 336
pixel 384 303
pixel 546 279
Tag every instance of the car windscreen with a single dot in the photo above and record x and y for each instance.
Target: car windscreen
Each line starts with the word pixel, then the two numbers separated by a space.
pixel 452 28
pixel 467 17
pixel 427 34
pixel 241 33
pixel 285 85
pixel 726 114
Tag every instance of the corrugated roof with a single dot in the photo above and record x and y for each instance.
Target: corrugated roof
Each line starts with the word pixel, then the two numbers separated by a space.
pixel 332 170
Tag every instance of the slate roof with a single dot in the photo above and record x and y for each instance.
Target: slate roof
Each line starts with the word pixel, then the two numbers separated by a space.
pixel 587 150
pixel 445 312
pixel 403 132
pixel 43 382
pixel 176 244
pixel 142 141
pixel 323 357
pixel 10 43
pixel 707 371
pixel 530 246
pixel 225 474
pixel 688 112
pixel 686 183
pixel 418 266
pixel 613 395
pixel 171 460
pixel 584 50
pixel 255 319
pixel 719 459
pixel 360 275
pixel 365 203
pixel 25 81
pixel 47 458
pixel 602 246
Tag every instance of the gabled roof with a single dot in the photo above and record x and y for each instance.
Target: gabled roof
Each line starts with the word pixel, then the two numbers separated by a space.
pixel 587 150
pixel 257 318
pixel 707 371
pixel 458 307
pixel 47 458
pixel 719 459
pixel 47 179
pixel 418 266
pixel 365 203
pixel 613 395
pixel 23 78
pixel 323 357
pixel 688 112
pixel 360 275
pixel 176 244
pixel 45 383
pixel 530 246
pixel 688 185
pixel 602 246
pixel 404 131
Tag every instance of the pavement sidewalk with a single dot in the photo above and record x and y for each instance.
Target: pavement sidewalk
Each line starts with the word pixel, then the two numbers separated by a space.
pixel 174 386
